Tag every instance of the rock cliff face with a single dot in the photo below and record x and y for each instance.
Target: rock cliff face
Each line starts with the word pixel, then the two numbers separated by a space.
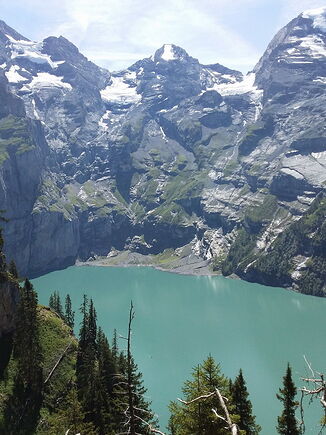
pixel 164 154
pixel 9 296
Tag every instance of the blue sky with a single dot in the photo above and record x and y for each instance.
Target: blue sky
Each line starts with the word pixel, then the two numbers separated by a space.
pixel 116 33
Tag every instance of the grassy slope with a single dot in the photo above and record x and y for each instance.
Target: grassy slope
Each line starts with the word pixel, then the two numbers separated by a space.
pixel 55 337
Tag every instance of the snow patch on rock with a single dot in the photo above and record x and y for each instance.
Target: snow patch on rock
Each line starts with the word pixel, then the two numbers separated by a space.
pixel 242 87
pixel 31 51
pixel 47 80
pixel 168 53
pixel 13 75
pixel 120 92
pixel 318 16
pixel 104 118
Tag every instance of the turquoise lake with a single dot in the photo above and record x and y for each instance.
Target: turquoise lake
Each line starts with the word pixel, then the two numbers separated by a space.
pixel 180 320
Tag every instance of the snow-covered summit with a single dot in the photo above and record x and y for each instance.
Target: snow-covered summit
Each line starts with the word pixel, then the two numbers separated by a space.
pixel 30 50
pixel 6 31
pixel 318 16
pixel 170 52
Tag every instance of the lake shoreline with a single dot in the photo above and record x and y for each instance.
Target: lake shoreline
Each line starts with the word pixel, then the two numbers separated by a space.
pixel 166 262
pixel 190 265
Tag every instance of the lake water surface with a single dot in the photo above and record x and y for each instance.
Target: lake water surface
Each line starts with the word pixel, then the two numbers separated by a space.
pixel 180 320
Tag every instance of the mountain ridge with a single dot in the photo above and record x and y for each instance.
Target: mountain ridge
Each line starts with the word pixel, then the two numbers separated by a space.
pixel 168 153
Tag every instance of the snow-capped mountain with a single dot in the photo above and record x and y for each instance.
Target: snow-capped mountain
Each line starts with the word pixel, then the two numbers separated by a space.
pixel 169 153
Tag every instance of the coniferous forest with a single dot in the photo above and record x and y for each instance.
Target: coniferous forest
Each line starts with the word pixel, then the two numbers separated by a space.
pixel 55 383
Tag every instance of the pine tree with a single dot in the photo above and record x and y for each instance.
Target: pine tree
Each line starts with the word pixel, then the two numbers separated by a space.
pixel 12 269
pixel 243 406
pixel 55 304
pixel 131 411
pixel 197 417
pixel 23 406
pixel 69 313
pixel 140 404
pixel 287 423
pixel 70 417
pixel 92 391
pixel 115 352
pixel 51 301
pixel 106 362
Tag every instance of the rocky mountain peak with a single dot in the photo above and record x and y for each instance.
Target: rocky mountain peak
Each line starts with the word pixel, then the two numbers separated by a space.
pixel 171 52
pixel 165 154
pixel 318 18
pixel 8 33
pixel 296 56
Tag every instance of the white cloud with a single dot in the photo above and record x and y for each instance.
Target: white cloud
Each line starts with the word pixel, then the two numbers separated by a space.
pixel 115 33
pixel 123 28
pixel 292 8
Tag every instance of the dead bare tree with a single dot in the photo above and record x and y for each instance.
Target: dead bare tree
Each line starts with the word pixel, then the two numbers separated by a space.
pixel 315 389
pixel 57 363
pixel 227 419
pixel 129 375
pixel 134 413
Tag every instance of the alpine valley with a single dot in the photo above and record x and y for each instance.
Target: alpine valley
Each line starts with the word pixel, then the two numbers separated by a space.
pixel 193 166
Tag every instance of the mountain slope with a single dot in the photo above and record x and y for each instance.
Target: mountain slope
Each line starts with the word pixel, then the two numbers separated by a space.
pixel 165 154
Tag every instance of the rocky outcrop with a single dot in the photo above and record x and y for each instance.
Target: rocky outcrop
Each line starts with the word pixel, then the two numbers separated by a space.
pixel 166 153
pixel 9 297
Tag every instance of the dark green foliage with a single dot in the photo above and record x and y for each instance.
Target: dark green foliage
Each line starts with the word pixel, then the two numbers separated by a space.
pixel 120 394
pixel 197 417
pixel 12 269
pixel 23 405
pixel 287 423
pixel 69 313
pixel 6 343
pixel 106 362
pixel 6 278
pixel 86 358
pixel 55 304
pixel 239 253
pixel 243 406
pixel 305 237
pixel 15 136
pixel 275 266
pixel 115 345
pixel 313 279
pixel 254 134
pixel 69 416
pixel 257 216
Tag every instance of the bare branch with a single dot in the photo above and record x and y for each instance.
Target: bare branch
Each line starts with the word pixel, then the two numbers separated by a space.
pixel 203 397
pixel 150 427
pixel 232 426
pixel 218 416
pixel 56 364
pixel 309 366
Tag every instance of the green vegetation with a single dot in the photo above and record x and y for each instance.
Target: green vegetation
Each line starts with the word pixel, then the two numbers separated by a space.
pixel 243 406
pixel 55 304
pixel 184 186
pixel 179 189
pixel 14 133
pixel 306 236
pixel 22 406
pixel 92 388
pixel 195 414
pixel 229 168
pixel 73 198
pixel 264 211
pixel 254 134
pixel 256 216
pixel 67 384
pixel 287 422
pixel 240 253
